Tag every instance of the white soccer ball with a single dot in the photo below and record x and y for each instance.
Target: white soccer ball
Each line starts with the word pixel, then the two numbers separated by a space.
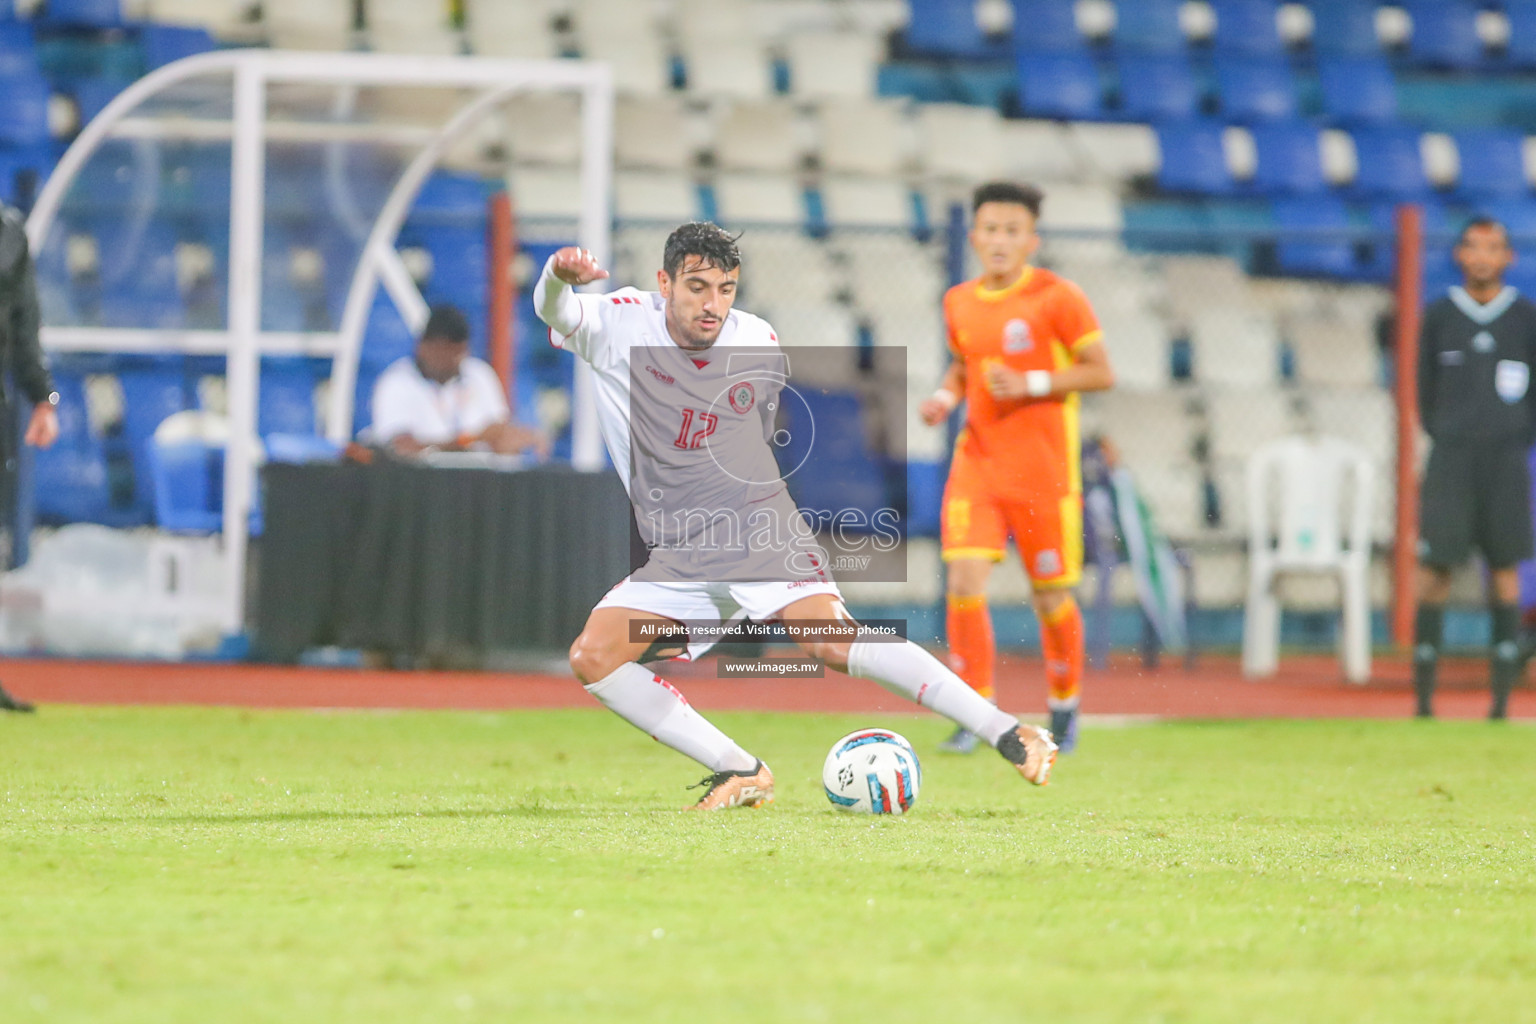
pixel 872 771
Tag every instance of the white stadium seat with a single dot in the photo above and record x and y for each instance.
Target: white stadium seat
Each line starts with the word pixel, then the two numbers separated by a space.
pixel 823 325
pixel 1332 353
pixel 1235 347
pixel 824 64
pixel 957 141
pixel 494 28
pixel 760 136
pixel 780 266
pixel 745 199
pixel 890 269
pixel 640 65
pixel 544 128
pixel 866 202
pixel 221 17
pixel 308 24
pixel 1082 208
pixel 1193 280
pixel 658 132
pixel 1243 421
pixel 864 136
pixel 1040 152
pixel 1118 152
pixel 410 26
pixel 665 196
pixel 731 67
pixel 546 193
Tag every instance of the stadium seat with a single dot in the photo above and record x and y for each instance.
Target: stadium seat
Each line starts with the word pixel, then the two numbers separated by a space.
pixel 1333 354
pixel 823 64
pixel 959 142
pixel 839 470
pixel 1040 151
pixel 1234 346
pixel 1193 158
pixel 1444 34
pixel 188 485
pixel 409 26
pixel 1248 27
pixel 1255 88
pixel 544 128
pixel 386 337
pixel 654 133
pixel 640 64
pixel 667 196
pixel 84 13
pixel 24 109
pixel 1518 215
pixel 746 199
pixel 759 136
pixel 863 136
pixel 1520 50
pixel 1329 255
pixel 151 392
pixel 1157 87
pixel 495 28
pixel 1343 27
pixel 1149 26
pixel 553 193
pixel 866 202
pixel 1062 85
pixel 137 273
pixel 1357 90
pixel 738 68
pixel 308 24
pixel 948 28
pixel 1243 420
pixel 298 448
pixel 1119 152
pixel 1289 161
pixel 93 94
pixel 1045 26
pixel 1390 163
pixel 286 403
pixel 1082 207
pixel 70 476
pixel 1492 163
pixel 787 267
pixel 166 44
pixel 18 49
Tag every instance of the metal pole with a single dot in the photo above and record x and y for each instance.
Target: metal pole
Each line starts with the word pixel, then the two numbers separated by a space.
pixel 243 362
pixel 1410 301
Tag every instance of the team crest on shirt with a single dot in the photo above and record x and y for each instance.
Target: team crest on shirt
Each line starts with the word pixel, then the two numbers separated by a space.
pixel 742 396
pixel 1016 337
pixel 1482 341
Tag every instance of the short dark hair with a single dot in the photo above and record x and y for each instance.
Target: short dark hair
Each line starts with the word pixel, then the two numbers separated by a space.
pixel 446 323
pixel 1027 196
pixel 712 244
pixel 1482 221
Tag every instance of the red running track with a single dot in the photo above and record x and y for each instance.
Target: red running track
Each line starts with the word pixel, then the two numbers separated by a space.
pixel 1307 687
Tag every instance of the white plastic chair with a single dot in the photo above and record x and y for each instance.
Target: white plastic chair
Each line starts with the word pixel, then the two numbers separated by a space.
pixel 1314 484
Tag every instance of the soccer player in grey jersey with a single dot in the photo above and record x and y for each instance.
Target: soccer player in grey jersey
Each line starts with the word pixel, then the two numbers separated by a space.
pixel 685 387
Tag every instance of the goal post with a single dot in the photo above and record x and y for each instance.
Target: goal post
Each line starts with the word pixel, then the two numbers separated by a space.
pixel 257 83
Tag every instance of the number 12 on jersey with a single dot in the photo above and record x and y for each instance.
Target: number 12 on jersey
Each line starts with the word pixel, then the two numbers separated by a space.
pixel 696 427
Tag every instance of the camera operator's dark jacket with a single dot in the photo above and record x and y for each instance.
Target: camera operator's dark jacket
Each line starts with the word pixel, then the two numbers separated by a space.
pixel 21 354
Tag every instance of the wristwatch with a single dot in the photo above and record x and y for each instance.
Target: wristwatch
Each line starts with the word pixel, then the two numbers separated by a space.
pixel 53 398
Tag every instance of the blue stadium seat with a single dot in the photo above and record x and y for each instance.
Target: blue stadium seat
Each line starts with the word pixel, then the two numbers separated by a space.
pixel 23 108
pixel 947 28
pixel 1313 249
pixel 93 94
pixel 1521 49
pixel 84 13
pixel 188 486
pixel 1439 229
pixel 18 49
pixel 1149 26
pixel 137 261
pixel 1255 88
pixel 286 403
pixel 1444 34
pixel 1289 161
pixel 1060 85
pixel 1492 163
pixel 1157 87
pixel 293 448
pixel 1193 158
pixel 1344 27
pixel 151 392
pixel 839 471
pixel 1357 90
pixel 1248 26
pixel 449 194
pixel 70 476
pixel 1045 26
pixel 195 180
pixel 386 338
pixel 1390 163
pixel 1518 215
pixel 166 44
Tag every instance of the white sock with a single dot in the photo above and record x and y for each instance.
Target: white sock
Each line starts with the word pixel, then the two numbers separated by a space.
pixel 912 672
pixel 648 702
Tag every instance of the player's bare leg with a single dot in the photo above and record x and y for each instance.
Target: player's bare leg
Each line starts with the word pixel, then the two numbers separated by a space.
pixel 1061 641
pixel 606 658
pixel 906 669
pixel 968 628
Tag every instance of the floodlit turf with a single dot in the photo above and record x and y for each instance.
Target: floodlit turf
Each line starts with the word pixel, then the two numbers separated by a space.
pixel 220 865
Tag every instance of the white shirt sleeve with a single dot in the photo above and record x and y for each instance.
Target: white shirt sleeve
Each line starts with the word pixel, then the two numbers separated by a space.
pixel 399 408
pixel 574 320
pixel 487 404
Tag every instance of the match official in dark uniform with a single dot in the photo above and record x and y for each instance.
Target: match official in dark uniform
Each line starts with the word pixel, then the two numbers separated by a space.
pixel 1477 350
pixel 22 369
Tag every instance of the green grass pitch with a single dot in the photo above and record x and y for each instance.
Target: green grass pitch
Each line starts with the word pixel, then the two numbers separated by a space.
pixel 168 865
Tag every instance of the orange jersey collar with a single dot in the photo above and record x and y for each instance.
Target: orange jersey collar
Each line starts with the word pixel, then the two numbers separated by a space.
pixel 986 294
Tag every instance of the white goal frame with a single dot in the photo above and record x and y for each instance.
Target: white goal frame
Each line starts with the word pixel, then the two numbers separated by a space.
pixel 242 341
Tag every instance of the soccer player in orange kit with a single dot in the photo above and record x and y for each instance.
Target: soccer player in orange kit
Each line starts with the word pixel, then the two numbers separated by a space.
pixel 1025 343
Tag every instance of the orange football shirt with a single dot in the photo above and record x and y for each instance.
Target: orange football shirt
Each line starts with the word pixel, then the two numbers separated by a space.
pixel 1023 447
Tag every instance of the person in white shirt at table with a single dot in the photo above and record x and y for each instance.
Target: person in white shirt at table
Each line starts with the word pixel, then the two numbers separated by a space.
pixel 444 399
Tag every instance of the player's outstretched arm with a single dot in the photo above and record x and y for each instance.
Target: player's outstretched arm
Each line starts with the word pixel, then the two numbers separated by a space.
pixel 1090 372
pixel 553 299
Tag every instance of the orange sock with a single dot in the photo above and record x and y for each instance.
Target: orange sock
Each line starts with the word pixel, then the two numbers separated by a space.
pixel 971 648
pixel 1061 639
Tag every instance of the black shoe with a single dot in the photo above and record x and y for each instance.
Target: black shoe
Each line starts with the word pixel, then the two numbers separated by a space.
pixel 9 703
